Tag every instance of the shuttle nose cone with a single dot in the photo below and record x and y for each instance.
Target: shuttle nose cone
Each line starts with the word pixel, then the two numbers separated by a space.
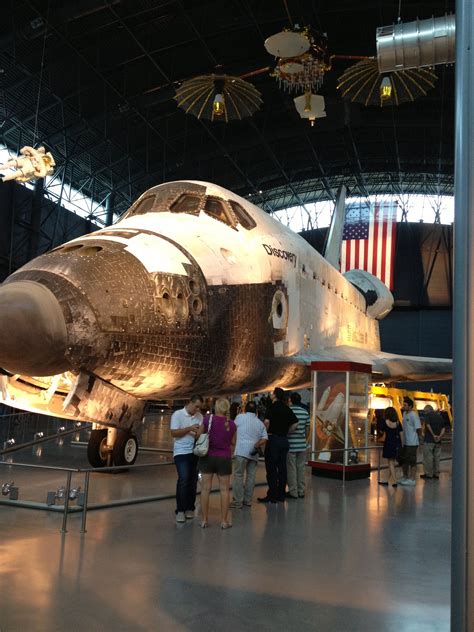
pixel 33 333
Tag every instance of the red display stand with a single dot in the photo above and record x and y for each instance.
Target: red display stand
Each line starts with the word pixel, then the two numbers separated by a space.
pixel 340 426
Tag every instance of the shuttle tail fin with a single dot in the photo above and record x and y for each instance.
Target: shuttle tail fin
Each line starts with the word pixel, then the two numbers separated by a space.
pixel 332 253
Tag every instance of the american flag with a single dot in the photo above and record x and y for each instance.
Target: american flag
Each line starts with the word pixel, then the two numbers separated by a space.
pixel 369 239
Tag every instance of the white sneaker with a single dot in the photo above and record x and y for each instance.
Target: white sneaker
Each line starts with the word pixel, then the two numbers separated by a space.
pixel 189 515
pixel 402 481
pixel 180 517
pixel 410 482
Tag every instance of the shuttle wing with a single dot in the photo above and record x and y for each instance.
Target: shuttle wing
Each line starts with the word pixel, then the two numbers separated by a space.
pixel 385 366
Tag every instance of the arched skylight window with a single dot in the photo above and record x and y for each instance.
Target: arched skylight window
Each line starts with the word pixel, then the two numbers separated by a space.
pixel 411 207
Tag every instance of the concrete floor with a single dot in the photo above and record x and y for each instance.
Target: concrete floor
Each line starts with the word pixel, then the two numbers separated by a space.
pixel 355 558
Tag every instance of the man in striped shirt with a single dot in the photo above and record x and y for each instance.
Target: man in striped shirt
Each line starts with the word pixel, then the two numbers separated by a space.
pixel 296 458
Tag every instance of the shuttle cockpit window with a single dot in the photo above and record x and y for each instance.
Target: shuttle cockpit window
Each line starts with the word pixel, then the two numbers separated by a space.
pixel 216 208
pixel 143 206
pixel 242 216
pixel 187 203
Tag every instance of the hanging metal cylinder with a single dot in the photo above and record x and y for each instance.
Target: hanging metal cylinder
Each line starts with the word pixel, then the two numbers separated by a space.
pixel 416 44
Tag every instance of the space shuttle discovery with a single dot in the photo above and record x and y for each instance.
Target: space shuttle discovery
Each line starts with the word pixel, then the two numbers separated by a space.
pixel 193 289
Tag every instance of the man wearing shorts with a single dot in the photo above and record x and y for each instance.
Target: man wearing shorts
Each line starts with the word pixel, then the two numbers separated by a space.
pixel 411 441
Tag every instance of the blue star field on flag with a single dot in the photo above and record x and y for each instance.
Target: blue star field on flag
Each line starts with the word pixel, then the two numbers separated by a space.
pixel 356 230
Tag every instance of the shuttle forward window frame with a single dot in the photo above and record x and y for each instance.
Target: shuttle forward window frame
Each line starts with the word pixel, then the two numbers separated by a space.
pixel 244 219
pixel 189 203
pixel 143 206
pixel 219 211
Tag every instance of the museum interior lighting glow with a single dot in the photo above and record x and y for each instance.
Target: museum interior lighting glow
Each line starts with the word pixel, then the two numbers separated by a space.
pixel 218 105
pixel 380 402
pixel 421 403
pixel 385 89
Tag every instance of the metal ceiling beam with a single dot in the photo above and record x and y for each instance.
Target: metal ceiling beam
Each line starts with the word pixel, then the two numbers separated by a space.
pixel 99 74
pixel 313 190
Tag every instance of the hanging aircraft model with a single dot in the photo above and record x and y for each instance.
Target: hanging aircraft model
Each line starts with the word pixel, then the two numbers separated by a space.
pixel 194 289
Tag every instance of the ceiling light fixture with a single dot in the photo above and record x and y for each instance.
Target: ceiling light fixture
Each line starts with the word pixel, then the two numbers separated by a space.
pixel 218 97
pixel 385 89
pixel 363 83
pixel 218 105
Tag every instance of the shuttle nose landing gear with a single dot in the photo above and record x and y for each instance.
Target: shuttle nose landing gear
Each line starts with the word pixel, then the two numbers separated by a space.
pixel 125 449
pixel 97 448
pixel 109 446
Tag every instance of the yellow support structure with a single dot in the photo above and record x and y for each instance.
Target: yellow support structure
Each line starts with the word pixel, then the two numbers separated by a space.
pixel 380 397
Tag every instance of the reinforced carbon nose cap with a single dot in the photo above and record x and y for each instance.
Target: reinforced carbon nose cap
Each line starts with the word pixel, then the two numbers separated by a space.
pixel 33 335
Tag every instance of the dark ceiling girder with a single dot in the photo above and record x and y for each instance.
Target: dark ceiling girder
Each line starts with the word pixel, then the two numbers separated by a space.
pixel 236 158
pixel 84 59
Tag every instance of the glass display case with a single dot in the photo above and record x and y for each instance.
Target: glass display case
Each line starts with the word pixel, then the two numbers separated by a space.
pixel 339 419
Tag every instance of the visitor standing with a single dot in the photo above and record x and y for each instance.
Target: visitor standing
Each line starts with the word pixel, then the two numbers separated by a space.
pixel 184 427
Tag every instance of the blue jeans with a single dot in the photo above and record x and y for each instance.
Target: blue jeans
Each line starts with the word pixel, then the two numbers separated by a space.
pixel 186 466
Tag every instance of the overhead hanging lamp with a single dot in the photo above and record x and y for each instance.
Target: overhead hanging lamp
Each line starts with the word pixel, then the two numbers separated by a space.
pixel 218 97
pixel 363 83
pixel 385 89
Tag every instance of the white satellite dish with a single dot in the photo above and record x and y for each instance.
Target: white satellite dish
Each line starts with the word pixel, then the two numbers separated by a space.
pixel 287 44
pixel 291 68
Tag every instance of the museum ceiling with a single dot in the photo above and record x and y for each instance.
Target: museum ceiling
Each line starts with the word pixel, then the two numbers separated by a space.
pixel 95 81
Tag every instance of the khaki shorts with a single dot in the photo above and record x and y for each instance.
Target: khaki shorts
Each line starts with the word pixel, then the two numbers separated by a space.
pixel 219 465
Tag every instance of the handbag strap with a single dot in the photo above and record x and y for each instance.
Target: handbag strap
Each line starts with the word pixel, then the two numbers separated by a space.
pixel 209 425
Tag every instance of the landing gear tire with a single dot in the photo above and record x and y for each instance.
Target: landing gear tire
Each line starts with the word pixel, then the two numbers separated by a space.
pixel 97 448
pixel 125 449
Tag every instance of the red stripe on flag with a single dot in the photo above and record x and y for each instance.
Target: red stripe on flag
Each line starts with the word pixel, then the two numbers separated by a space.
pixel 384 247
pixel 366 255
pixel 375 223
pixel 392 245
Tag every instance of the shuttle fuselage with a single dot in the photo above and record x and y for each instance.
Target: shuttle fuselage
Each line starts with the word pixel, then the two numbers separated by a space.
pixel 194 288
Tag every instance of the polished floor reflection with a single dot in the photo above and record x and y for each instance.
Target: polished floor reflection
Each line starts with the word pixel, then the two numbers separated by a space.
pixel 356 558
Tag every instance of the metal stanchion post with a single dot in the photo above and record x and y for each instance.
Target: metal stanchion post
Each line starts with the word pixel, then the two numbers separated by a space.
pixel 378 465
pixel 84 508
pixel 66 502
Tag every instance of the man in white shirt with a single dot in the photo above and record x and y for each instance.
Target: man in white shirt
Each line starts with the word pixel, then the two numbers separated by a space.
pixel 184 425
pixel 411 441
pixel 251 436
